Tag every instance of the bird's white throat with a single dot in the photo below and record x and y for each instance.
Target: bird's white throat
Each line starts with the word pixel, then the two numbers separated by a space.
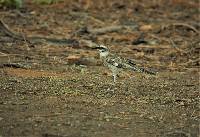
pixel 104 54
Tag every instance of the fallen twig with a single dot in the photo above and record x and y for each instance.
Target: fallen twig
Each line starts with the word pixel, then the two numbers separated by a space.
pixel 103 30
pixel 192 61
pixel 83 16
pixel 152 47
pixel 15 65
pixel 36 39
pixel 181 24
pixel 175 47
pixel 3 54
pixel 8 32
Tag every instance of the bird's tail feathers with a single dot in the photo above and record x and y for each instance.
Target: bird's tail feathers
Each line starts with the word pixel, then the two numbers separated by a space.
pixel 143 70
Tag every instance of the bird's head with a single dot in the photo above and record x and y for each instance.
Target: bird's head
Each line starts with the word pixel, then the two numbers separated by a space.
pixel 103 50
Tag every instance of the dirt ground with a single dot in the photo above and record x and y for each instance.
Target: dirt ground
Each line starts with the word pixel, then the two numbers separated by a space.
pixel 59 87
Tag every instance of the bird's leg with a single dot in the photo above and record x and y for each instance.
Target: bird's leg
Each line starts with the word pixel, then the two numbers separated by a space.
pixel 115 74
pixel 114 77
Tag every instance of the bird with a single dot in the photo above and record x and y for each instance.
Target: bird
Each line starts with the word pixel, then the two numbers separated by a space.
pixel 116 63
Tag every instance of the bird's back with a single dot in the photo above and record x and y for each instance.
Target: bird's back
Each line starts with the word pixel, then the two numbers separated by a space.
pixel 117 61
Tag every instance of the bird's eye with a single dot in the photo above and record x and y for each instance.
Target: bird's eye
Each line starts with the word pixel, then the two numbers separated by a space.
pixel 103 50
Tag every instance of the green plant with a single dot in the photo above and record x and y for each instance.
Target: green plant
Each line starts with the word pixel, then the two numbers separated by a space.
pixel 12 3
pixel 45 1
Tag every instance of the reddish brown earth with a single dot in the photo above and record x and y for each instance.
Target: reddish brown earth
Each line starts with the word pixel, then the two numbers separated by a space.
pixel 62 90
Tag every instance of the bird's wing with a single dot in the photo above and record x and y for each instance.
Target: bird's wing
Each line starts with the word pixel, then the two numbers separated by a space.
pixel 130 62
pixel 120 62
pixel 114 60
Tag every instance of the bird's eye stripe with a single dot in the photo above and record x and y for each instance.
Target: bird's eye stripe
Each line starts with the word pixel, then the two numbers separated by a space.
pixel 103 50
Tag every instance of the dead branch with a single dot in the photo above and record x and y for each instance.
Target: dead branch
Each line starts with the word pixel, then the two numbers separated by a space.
pixel 152 47
pixel 8 32
pixel 181 24
pixel 192 62
pixel 159 38
pixel 36 39
pixel 82 16
pixel 109 29
pixel 3 54
pixel 175 47
pixel 170 41
pixel 15 65
pixel 104 30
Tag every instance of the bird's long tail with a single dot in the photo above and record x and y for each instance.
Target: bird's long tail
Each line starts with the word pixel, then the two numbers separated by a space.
pixel 143 70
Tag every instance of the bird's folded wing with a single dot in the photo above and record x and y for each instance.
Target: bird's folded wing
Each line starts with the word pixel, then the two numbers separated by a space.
pixel 119 62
